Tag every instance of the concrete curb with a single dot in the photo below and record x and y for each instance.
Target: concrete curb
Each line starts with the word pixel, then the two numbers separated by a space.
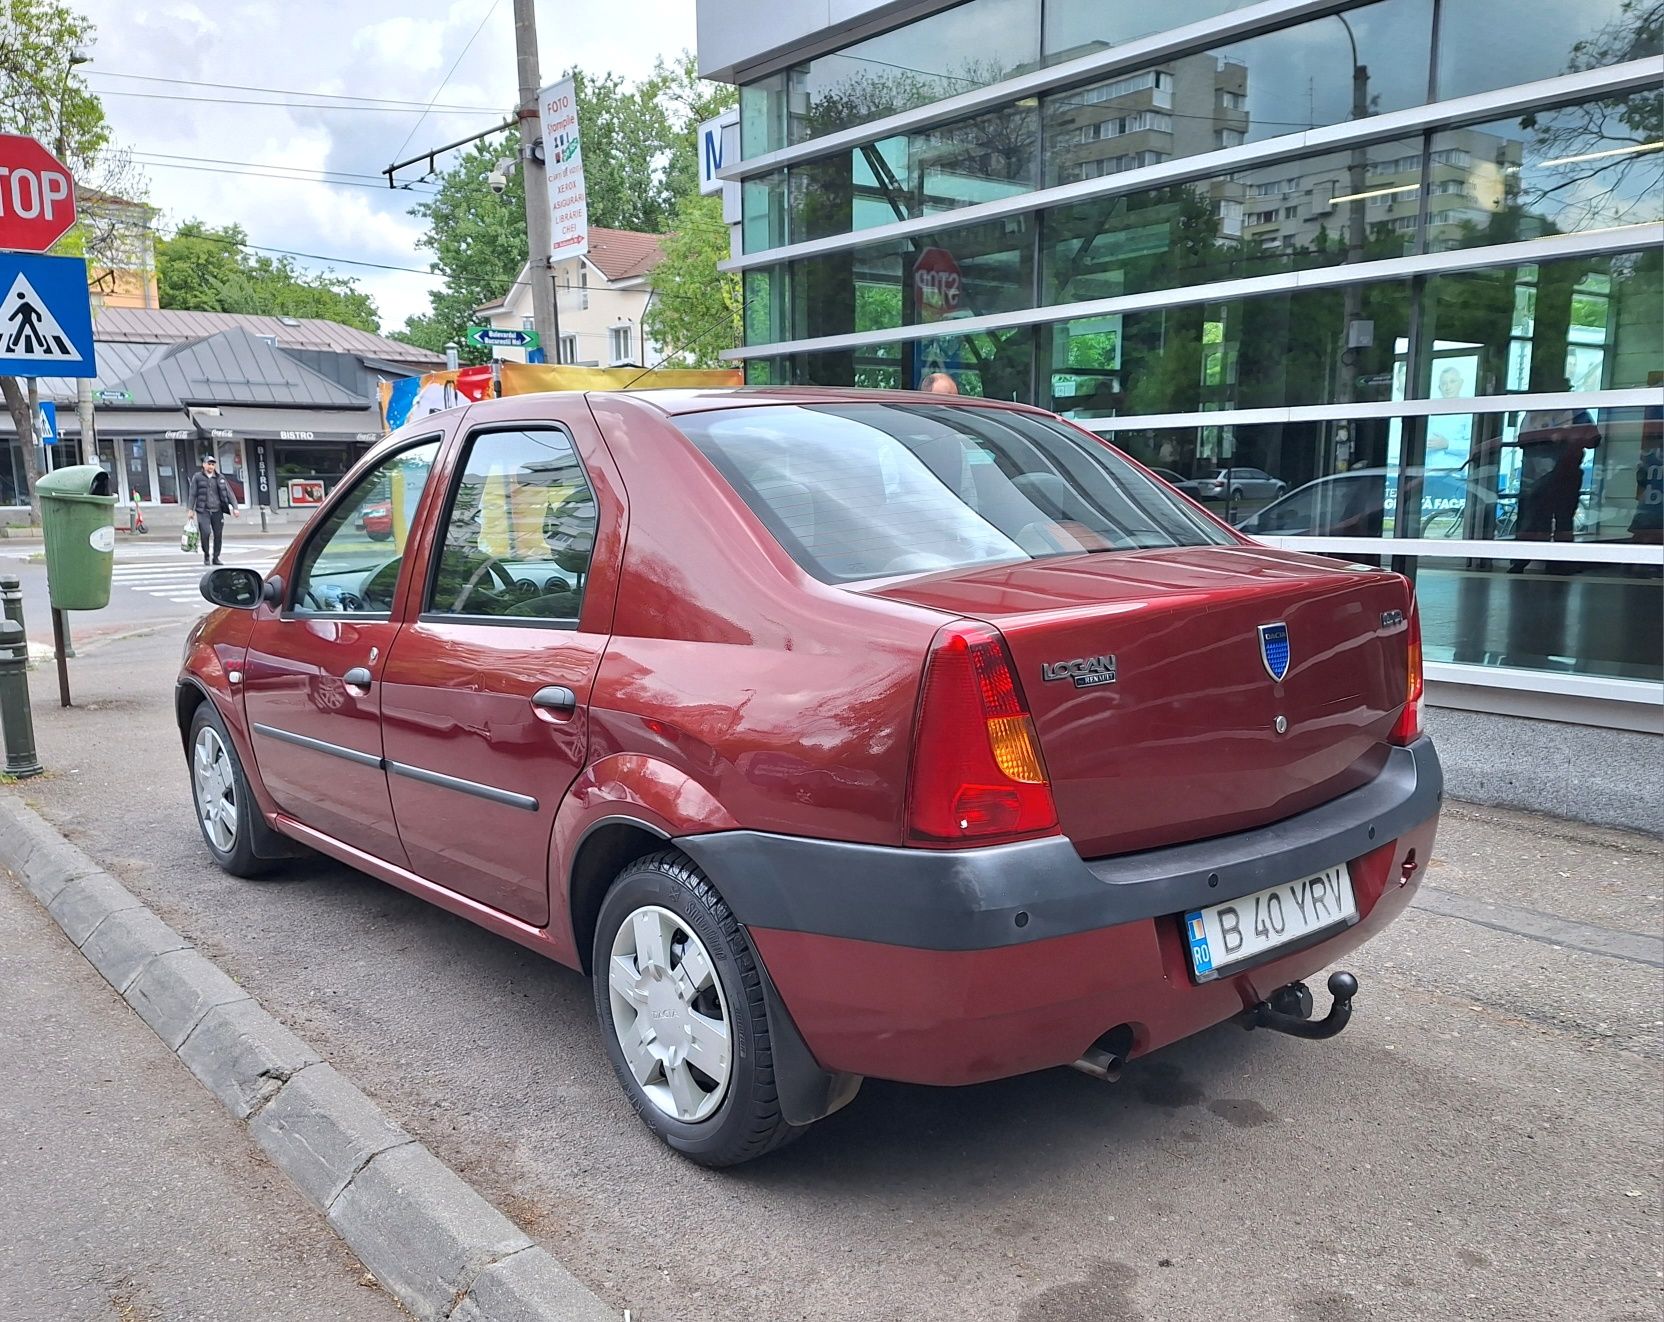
pixel 426 1235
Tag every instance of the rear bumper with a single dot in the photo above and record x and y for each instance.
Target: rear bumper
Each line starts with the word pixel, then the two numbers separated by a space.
pixel 959 966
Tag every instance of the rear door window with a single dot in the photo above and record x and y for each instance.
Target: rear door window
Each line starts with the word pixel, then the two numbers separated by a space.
pixel 856 491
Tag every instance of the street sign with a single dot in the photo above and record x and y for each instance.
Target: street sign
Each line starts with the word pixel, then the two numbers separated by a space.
pixel 37 195
pixel 563 168
pixel 719 142
pixel 45 317
pixel 486 337
pixel 46 422
pixel 113 396
pixel 937 285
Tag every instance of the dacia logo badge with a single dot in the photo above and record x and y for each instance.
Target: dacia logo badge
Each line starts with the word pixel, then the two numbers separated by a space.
pixel 1274 650
pixel 1087 671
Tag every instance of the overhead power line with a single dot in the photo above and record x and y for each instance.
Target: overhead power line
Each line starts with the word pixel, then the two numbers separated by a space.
pixel 447 78
pixel 292 105
pixel 300 174
pixel 296 91
pixel 263 174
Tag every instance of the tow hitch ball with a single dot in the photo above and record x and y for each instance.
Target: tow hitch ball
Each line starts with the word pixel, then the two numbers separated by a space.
pixel 1290 1009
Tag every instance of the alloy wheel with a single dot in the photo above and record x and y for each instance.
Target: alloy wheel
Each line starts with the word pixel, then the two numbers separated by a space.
pixel 669 1014
pixel 216 789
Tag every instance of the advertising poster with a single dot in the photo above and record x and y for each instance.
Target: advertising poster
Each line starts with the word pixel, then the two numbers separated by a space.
pixel 563 167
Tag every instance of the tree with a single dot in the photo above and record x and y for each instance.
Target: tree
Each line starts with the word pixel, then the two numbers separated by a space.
pixel 639 170
pixel 42 96
pixel 695 312
pixel 478 239
pixel 212 270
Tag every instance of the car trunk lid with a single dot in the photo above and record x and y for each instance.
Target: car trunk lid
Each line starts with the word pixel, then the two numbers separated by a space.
pixel 1158 713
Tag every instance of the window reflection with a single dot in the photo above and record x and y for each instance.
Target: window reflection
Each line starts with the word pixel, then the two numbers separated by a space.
pixel 1486 44
pixel 1586 619
pixel 968 46
pixel 1593 165
pixel 1290 216
pixel 1080 27
pixel 981 159
pixel 1578 323
pixel 1343 66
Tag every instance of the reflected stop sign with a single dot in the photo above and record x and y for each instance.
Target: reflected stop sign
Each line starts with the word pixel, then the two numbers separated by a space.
pixel 37 195
pixel 937 287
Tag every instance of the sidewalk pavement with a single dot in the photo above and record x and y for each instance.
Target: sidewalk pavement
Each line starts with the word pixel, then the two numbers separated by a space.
pixel 129 1193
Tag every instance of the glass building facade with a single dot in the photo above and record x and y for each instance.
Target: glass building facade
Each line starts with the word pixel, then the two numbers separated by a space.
pixel 1405 257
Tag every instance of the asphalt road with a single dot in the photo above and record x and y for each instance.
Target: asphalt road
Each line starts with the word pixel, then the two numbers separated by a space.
pixel 1484 1141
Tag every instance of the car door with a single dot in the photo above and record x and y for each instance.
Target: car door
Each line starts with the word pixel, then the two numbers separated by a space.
pixel 484 699
pixel 309 679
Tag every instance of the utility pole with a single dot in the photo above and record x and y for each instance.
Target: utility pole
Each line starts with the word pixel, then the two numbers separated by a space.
pixel 545 307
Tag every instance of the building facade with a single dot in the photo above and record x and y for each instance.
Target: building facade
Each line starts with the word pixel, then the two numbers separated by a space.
pixel 288 404
pixel 601 299
pixel 1405 256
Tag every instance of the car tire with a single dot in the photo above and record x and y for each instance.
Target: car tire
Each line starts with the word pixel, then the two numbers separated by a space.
pixel 378 536
pixel 676 977
pixel 1236 493
pixel 220 795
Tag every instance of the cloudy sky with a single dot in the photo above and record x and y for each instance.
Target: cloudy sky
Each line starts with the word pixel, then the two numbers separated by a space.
pixel 223 158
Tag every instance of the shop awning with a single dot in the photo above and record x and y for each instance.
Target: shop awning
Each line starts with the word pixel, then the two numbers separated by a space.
pixel 161 424
pixel 257 424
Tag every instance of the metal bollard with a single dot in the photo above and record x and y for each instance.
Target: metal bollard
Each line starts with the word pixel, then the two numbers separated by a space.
pixel 17 724
pixel 11 598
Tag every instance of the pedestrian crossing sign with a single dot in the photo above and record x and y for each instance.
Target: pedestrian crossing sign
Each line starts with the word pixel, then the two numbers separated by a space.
pixel 45 316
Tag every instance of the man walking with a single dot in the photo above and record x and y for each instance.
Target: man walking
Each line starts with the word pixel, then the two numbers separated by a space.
pixel 210 497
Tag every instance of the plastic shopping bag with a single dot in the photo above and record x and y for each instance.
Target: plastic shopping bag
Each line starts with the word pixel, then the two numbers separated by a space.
pixel 188 537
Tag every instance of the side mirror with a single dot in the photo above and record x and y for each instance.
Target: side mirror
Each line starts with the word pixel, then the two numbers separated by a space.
pixel 240 589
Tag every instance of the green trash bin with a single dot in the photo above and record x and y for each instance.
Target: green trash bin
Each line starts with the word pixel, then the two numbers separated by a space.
pixel 78 514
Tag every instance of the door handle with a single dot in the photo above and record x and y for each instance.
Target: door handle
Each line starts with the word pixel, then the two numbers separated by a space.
pixel 358 678
pixel 555 697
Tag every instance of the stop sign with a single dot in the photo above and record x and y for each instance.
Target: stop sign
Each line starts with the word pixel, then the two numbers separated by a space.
pixel 937 287
pixel 37 195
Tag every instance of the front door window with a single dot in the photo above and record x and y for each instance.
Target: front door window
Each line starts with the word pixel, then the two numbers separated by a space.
pixel 351 565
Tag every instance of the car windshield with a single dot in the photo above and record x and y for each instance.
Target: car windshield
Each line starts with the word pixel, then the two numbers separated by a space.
pixel 856 491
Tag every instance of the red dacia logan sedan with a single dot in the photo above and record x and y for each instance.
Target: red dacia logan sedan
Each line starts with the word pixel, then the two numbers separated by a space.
pixel 834 734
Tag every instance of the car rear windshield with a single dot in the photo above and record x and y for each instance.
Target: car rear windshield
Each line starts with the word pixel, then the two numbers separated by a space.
pixel 856 491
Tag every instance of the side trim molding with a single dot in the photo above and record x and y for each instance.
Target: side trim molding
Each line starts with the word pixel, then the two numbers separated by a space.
pixel 319 745
pixel 490 793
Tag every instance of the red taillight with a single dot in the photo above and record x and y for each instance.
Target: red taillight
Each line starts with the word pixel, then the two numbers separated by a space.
pixel 977 770
pixel 1407 729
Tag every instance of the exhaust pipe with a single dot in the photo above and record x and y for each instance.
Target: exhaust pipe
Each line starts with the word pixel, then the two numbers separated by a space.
pixel 1289 1009
pixel 1105 1057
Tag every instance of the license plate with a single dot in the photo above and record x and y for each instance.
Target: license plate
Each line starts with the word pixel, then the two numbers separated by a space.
pixel 1225 935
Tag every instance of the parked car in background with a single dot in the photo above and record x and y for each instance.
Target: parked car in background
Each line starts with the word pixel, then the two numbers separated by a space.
pixel 1366 503
pixel 1169 476
pixel 834 734
pixel 1235 483
pixel 377 520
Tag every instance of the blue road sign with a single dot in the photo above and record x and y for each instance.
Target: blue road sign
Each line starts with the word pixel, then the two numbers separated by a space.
pixel 45 316
pixel 46 424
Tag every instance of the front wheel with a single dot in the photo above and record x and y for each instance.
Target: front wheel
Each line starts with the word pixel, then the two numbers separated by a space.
pixel 220 793
pixel 679 997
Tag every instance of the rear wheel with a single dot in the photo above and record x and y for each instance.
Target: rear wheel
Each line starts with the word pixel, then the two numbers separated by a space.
pixel 220 794
pixel 679 997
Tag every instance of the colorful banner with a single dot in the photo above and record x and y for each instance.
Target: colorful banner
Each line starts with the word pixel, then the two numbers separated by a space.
pixel 563 168
pixel 531 378
pixel 415 397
